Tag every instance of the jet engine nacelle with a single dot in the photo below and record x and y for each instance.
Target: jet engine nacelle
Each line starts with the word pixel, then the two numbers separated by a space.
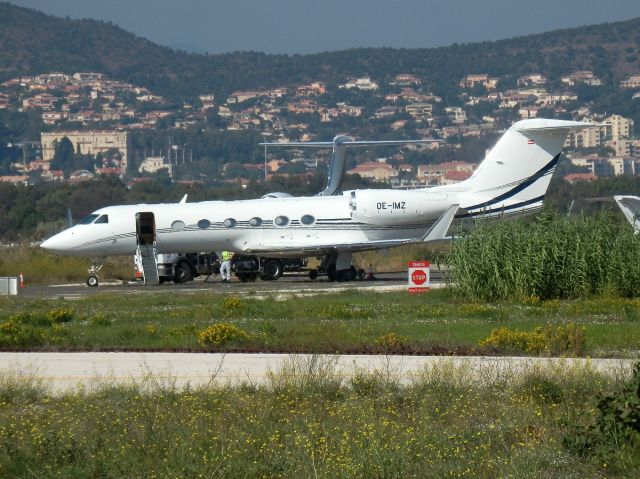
pixel 396 207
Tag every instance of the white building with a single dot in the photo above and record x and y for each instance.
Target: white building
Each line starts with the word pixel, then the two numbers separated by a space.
pixel 363 83
pixel 153 164
pixel 632 82
pixel 89 142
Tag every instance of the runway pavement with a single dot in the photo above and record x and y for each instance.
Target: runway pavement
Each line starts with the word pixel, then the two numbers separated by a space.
pixel 64 371
pixel 290 282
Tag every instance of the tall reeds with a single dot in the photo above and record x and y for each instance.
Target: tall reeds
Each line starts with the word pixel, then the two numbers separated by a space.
pixel 549 257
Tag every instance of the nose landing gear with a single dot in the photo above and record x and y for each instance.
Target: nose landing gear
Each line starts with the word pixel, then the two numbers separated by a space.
pixel 92 279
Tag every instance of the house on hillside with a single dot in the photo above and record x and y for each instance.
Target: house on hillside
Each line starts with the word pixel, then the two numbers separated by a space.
pixel 363 83
pixel 375 170
pixel 632 82
pixel 584 76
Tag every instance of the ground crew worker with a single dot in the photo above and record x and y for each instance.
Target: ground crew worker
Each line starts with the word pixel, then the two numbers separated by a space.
pixel 225 267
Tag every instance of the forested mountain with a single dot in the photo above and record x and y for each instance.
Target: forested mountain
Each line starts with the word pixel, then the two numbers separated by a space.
pixel 32 42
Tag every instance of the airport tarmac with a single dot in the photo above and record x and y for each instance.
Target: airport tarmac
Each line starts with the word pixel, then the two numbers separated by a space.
pixel 298 283
pixel 64 371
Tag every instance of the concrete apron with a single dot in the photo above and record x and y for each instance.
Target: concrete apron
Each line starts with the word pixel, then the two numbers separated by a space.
pixel 89 370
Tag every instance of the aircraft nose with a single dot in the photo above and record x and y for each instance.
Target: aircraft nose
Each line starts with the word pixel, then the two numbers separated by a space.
pixel 56 244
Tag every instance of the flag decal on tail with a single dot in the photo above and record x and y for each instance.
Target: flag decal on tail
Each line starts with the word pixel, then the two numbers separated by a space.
pixel 530 142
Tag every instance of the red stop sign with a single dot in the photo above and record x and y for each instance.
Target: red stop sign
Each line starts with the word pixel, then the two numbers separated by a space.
pixel 418 277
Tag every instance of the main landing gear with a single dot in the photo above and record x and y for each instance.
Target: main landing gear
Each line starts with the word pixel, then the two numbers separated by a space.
pixel 339 268
pixel 96 266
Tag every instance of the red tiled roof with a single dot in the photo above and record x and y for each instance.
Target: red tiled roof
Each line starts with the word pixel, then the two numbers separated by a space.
pixel 457 175
pixel 572 177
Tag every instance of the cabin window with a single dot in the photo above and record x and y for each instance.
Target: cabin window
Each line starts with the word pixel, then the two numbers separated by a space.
pixel 307 220
pixel 89 219
pixel 103 219
pixel 204 224
pixel 255 221
pixel 281 221
pixel 177 225
pixel 229 223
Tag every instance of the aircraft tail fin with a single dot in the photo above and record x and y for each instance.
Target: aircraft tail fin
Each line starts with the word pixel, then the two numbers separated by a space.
pixel 518 169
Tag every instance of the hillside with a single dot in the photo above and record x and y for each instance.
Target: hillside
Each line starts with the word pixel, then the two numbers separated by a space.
pixel 32 42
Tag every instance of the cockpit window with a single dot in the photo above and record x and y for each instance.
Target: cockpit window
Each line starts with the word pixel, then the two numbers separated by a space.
pixel 102 219
pixel 89 219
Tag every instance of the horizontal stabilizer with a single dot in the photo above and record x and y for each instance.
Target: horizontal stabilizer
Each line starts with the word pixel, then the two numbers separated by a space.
pixel 542 124
pixel 339 141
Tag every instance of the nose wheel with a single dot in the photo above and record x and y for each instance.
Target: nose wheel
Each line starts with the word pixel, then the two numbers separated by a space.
pixel 92 279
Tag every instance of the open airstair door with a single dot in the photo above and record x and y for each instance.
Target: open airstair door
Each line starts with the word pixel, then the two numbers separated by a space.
pixel 146 237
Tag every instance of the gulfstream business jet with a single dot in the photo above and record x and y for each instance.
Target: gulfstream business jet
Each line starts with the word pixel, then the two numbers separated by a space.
pixel 510 181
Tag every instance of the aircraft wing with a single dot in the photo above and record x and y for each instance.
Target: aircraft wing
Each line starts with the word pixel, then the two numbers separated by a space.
pixel 437 232
pixel 630 206
pixel 342 142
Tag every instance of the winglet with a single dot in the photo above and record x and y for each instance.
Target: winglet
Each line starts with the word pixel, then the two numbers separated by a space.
pixel 439 229
pixel 630 206
pixel 184 198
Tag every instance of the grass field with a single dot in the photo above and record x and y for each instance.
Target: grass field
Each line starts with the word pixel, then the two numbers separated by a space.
pixel 345 322
pixel 307 421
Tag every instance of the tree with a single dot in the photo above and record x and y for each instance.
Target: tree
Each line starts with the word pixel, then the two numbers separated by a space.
pixel 63 155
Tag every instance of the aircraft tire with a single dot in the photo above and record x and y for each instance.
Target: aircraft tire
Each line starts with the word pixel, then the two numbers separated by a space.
pixel 273 269
pixel 92 281
pixel 331 273
pixel 346 275
pixel 313 274
pixel 182 273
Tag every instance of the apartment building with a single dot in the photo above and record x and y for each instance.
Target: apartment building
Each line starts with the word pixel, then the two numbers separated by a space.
pixel 532 79
pixel 89 142
pixel 584 76
pixel 490 83
pixel 616 127
pixel 632 82
pixel 419 110
pixel 426 172
pixel 375 170
pixel 606 167
pixel 587 138
pixel 363 83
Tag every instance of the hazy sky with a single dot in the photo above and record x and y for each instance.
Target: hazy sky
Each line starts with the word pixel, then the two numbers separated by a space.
pixel 305 26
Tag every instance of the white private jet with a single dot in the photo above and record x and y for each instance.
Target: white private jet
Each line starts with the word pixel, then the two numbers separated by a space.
pixel 510 181
pixel 630 206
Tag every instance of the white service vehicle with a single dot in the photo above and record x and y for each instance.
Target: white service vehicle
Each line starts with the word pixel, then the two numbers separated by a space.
pixel 179 267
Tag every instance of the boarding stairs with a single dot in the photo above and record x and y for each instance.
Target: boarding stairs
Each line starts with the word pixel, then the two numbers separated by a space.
pixel 148 259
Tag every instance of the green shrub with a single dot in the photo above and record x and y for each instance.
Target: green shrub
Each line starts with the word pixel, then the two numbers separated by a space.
pixel 569 339
pixel 391 341
pixel 614 430
pixel 232 302
pixel 221 334
pixel 509 340
pixel 30 319
pixel 99 320
pixel 13 334
pixel 61 315
pixel 152 329
pixel 565 339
